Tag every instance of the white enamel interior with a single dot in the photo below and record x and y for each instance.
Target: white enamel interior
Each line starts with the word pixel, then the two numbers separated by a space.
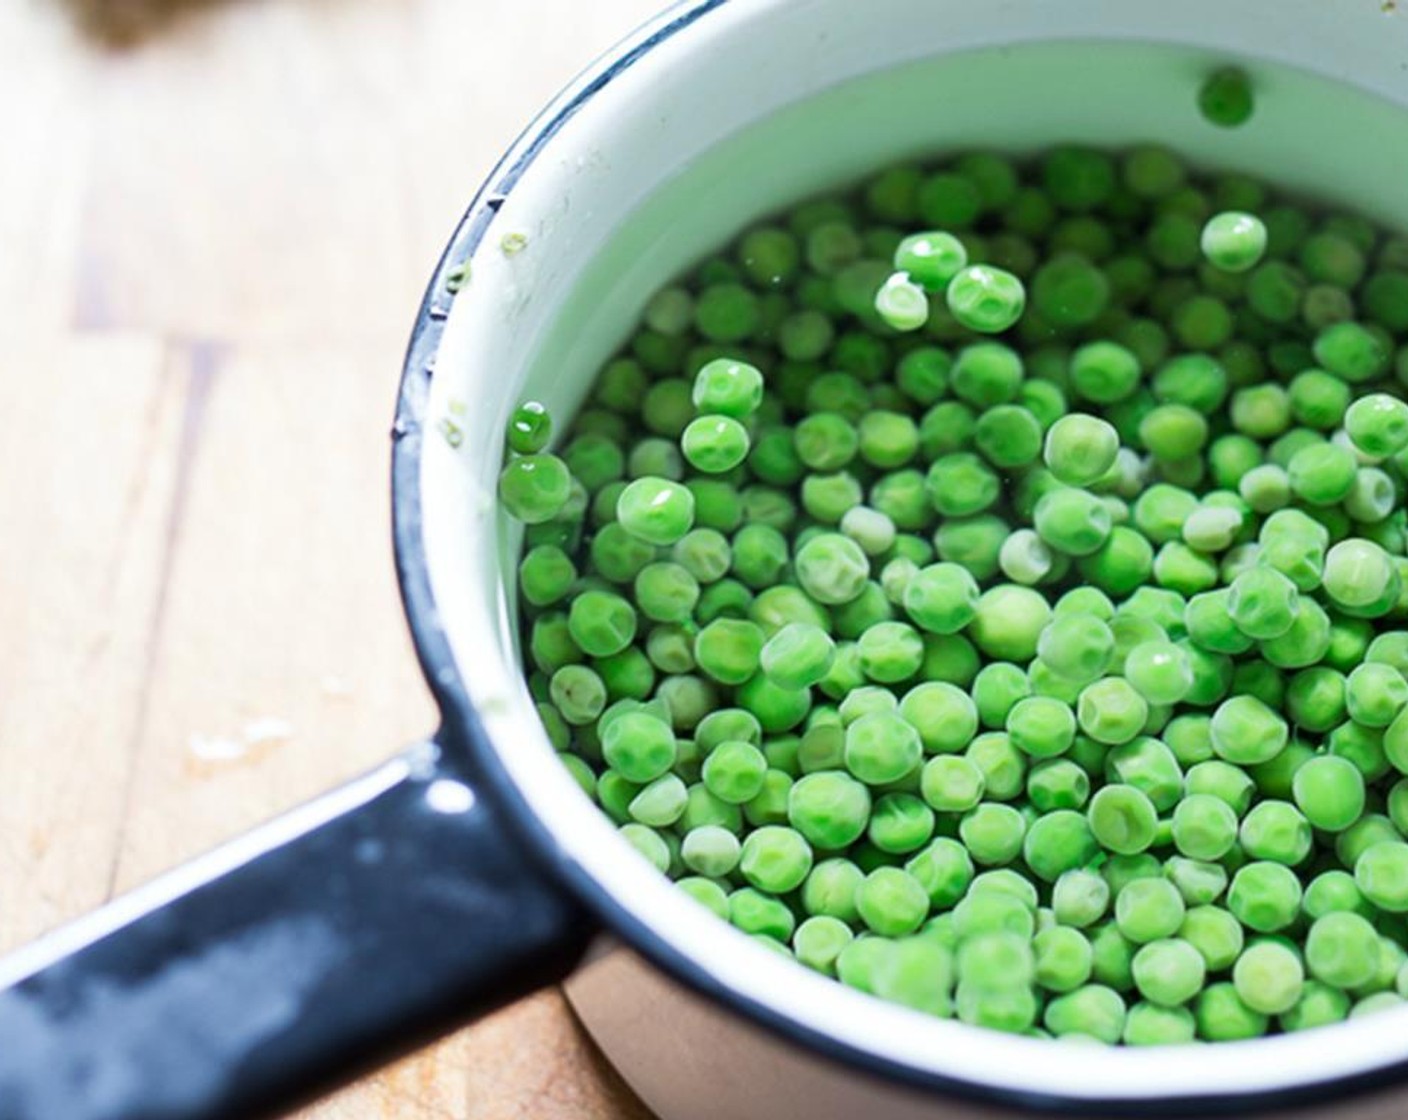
pixel 670 159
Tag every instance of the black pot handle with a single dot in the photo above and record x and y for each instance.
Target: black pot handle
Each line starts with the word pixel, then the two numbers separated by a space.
pixel 323 942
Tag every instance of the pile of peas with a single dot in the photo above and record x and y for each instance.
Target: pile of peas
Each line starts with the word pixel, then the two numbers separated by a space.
pixel 1007 618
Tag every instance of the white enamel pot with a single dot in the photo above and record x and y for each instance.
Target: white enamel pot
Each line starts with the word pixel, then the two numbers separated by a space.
pixel 713 117
pixel 472 868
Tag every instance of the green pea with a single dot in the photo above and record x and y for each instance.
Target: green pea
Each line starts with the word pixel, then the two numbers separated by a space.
pixel 534 488
pixel 986 299
pixel 1225 98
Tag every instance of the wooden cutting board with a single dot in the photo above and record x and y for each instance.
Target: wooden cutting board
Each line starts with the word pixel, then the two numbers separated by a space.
pixel 211 251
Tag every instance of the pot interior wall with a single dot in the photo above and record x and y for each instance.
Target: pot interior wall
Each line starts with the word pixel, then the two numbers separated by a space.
pixel 761 103
pixel 1020 98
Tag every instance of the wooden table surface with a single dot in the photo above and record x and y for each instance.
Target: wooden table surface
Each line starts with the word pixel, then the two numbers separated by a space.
pixel 211 251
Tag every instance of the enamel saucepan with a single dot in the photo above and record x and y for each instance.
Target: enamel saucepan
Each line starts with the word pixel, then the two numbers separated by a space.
pixel 471 869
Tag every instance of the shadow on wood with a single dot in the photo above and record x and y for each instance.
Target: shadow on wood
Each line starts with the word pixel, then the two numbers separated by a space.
pixel 127 23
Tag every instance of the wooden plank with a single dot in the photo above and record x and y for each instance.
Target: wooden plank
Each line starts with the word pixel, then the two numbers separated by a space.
pixel 302 164
pixel 219 239
pixel 560 1077
pixel 45 123
pixel 88 431
pixel 281 663
pixel 530 1061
